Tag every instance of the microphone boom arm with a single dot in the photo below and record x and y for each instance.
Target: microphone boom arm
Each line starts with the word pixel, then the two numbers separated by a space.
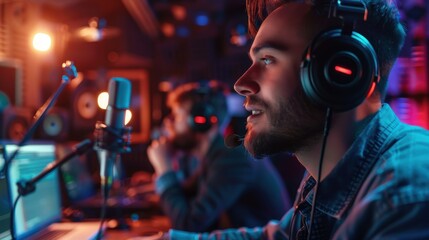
pixel 26 187
pixel 70 73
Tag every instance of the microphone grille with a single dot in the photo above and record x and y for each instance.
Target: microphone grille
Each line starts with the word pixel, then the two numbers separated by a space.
pixel 233 140
pixel 119 93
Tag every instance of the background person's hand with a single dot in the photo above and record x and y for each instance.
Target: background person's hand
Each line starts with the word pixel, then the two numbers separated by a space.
pixel 161 156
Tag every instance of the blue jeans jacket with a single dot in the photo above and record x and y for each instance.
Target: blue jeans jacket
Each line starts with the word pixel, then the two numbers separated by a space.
pixel 379 190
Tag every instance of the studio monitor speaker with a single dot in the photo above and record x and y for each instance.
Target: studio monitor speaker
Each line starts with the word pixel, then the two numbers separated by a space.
pixel 55 125
pixel 15 122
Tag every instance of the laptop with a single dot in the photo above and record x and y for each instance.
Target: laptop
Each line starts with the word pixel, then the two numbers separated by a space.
pixel 40 212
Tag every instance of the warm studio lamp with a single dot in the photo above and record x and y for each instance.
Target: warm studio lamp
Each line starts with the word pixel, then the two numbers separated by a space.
pixel 42 42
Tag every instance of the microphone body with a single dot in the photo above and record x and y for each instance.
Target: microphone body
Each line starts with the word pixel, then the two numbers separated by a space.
pixel 119 101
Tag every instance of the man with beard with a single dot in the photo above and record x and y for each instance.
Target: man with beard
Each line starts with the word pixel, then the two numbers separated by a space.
pixel 367 172
pixel 202 184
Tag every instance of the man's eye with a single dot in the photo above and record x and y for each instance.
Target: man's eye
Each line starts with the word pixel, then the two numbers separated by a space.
pixel 267 61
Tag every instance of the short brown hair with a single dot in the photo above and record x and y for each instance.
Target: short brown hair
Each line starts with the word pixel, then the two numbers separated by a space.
pixel 383 28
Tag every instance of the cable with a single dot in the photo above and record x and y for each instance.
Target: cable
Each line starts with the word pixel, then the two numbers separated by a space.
pixel 292 222
pixel 105 194
pixel 12 217
pixel 319 171
pixel 105 191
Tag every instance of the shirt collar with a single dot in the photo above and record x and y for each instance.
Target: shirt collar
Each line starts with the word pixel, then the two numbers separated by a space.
pixel 338 190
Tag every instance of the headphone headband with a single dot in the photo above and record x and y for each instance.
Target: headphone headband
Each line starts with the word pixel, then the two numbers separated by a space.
pixel 348 10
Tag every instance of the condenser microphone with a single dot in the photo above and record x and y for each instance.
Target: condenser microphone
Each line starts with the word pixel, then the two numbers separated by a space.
pixel 119 101
pixel 233 140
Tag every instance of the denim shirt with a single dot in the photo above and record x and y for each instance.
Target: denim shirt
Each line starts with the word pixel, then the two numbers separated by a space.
pixel 378 190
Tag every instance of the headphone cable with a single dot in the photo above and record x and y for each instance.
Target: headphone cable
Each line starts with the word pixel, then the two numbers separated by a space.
pixel 319 171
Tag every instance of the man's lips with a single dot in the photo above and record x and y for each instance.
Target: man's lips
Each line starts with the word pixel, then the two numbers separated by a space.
pixel 254 112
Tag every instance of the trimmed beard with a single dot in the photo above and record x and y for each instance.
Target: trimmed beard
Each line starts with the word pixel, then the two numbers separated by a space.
pixel 294 125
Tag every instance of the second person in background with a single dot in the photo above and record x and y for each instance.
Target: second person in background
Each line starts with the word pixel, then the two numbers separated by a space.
pixel 202 184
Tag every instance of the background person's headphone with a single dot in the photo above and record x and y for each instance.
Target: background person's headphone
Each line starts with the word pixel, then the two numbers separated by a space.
pixel 203 114
pixel 340 68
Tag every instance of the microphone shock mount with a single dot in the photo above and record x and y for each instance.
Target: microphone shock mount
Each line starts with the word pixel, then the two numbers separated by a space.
pixel 111 139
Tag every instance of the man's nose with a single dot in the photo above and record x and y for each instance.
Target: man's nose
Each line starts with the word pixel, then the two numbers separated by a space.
pixel 247 83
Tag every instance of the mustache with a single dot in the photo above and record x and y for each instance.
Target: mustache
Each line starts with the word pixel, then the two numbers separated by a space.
pixel 253 100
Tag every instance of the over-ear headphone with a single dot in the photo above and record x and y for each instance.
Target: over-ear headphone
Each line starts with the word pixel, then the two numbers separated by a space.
pixel 340 67
pixel 203 114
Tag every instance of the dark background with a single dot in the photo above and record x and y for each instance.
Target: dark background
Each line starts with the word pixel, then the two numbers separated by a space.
pixel 158 44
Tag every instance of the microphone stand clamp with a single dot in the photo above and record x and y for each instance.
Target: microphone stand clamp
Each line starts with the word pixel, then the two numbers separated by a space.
pixel 111 139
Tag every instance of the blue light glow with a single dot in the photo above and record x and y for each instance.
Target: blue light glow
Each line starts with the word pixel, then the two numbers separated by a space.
pixel 202 19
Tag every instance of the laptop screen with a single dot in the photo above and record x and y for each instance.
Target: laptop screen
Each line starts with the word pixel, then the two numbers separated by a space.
pixel 43 206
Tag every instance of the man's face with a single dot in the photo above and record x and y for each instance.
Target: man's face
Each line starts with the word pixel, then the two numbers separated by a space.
pixel 178 128
pixel 282 119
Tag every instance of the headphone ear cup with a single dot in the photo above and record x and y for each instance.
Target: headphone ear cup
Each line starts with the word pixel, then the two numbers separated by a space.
pixel 339 71
pixel 202 117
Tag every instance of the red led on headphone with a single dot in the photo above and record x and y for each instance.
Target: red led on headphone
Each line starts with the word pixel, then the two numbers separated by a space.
pixel 343 70
pixel 213 119
pixel 200 119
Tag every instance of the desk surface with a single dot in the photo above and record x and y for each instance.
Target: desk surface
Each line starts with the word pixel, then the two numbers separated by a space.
pixel 141 227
